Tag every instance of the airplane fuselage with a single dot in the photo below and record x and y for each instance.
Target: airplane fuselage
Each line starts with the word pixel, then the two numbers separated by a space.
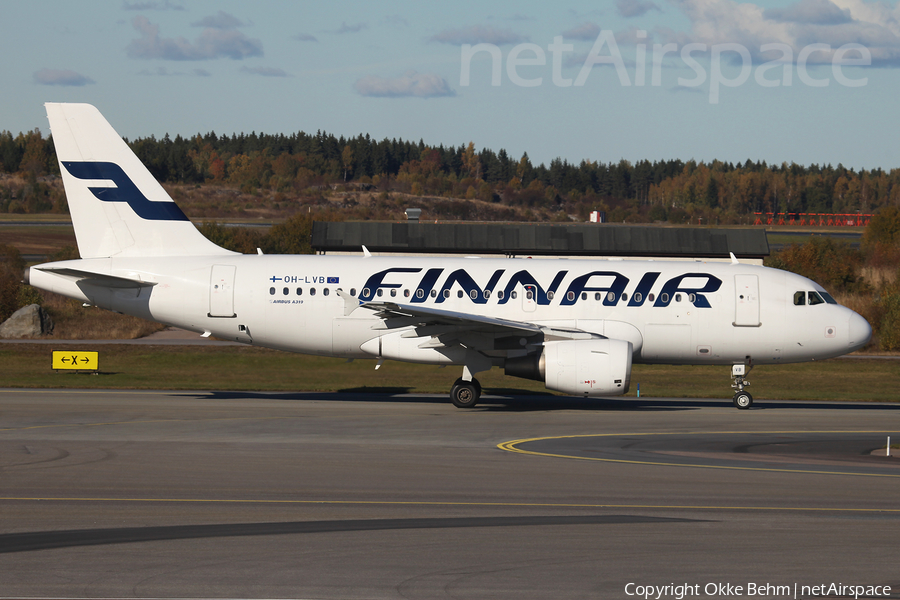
pixel 671 312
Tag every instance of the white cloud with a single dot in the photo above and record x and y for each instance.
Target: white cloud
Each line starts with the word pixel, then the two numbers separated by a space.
pixel 421 85
pixel 635 8
pixel 478 34
pixel 164 72
pixel 396 21
pixel 872 24
pixel 344 28
pixel 211 44
pixel 585 31
pixel 265 71
pixel 222 20
pixel 61 77
pixel 166 5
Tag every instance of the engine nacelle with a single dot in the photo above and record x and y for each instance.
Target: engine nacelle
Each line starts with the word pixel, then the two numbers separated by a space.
pixel 578 367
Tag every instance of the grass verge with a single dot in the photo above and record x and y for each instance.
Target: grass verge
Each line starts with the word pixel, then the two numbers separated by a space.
pixel 249 368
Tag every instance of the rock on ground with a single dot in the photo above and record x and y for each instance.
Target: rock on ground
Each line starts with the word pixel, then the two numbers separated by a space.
pixel 30 321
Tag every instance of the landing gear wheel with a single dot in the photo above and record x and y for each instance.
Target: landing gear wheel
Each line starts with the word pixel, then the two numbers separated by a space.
pixel 465 394
pixel 743 400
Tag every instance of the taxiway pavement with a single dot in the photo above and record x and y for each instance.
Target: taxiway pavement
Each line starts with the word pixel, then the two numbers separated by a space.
pixel 310 495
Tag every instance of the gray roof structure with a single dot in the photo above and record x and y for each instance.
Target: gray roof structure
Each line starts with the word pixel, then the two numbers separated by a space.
pixel 538 239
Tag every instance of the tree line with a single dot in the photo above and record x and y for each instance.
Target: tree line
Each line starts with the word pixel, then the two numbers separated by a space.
pixel 672 190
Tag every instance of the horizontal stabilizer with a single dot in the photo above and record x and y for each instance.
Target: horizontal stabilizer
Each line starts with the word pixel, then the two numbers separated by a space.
pixel 100 279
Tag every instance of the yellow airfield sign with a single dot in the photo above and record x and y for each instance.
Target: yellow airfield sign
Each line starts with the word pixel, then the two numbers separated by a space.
pixel 76 359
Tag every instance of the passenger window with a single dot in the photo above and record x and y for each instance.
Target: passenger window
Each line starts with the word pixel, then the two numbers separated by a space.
pixel 677 297
pixel 637 297
pixel 597 296
pixel 570 296
pixel 550 295
pixel 393 293
pixel 406 293
pixel 624 297
pixel 499 294
pixel 459 294
pixel 325 292
pixel 584 295
pixel 487 293
pixel 799 298
pixel 299 291
pixel 513 294
pixel 473 294
pixel 650 297
pixel 815 298
pixel 312 291
pixel 420 293
pixel 611 296
pixel 663 298
pixel 285 291
pixel 380 292
pixel 446 293
pixel 365 291
pixel 352 291
pixel 529 294
pixel 434 293
pixel 271 291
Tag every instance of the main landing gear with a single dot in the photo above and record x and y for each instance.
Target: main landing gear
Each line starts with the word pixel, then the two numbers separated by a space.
pixel 465 394
pixel 742 400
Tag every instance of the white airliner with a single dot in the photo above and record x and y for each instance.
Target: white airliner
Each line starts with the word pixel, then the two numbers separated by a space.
pixel 576 325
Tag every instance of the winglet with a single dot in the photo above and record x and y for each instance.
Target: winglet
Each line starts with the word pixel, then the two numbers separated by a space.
pixel 366 253
pixel 734 259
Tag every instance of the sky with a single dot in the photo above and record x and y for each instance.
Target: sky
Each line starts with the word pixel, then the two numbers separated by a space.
pixel 809 81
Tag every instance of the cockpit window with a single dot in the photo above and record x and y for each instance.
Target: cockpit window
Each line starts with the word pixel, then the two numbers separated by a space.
pixel 815 298
pixel 799 298
pixel 828 298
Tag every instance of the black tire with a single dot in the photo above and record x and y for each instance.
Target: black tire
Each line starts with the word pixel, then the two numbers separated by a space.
pixel 464 394
pixel 743 400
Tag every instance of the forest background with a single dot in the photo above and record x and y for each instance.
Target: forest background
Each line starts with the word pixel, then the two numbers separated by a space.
pixel 295 179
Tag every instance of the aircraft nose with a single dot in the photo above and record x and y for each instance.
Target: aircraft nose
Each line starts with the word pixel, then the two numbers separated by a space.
pixel 860 331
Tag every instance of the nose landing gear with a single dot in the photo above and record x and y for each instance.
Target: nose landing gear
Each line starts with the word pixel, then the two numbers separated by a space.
pixel 742 400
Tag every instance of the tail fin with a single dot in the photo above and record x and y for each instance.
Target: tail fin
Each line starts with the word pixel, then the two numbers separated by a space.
pixel 117 207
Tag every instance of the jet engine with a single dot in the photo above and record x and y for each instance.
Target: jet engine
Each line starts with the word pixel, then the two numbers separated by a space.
pixel 599 367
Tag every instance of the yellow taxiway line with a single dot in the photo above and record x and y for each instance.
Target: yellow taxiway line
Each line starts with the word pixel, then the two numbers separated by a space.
pixel 512 446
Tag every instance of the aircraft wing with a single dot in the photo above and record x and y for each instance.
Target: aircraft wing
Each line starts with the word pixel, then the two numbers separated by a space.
pixel 432 321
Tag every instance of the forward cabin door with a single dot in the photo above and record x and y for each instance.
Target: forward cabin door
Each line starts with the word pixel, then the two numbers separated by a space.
pixel 221 291
pixel 746 301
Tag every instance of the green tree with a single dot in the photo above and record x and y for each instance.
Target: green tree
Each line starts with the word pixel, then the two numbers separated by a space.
pixel 828 262
pixel 884 228
pixel 11 267
pixel 294 236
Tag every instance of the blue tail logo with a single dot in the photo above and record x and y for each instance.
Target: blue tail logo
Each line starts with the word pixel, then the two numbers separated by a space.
pixel 125 191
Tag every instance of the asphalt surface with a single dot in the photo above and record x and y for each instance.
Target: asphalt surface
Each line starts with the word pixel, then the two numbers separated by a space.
pixel 272 495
